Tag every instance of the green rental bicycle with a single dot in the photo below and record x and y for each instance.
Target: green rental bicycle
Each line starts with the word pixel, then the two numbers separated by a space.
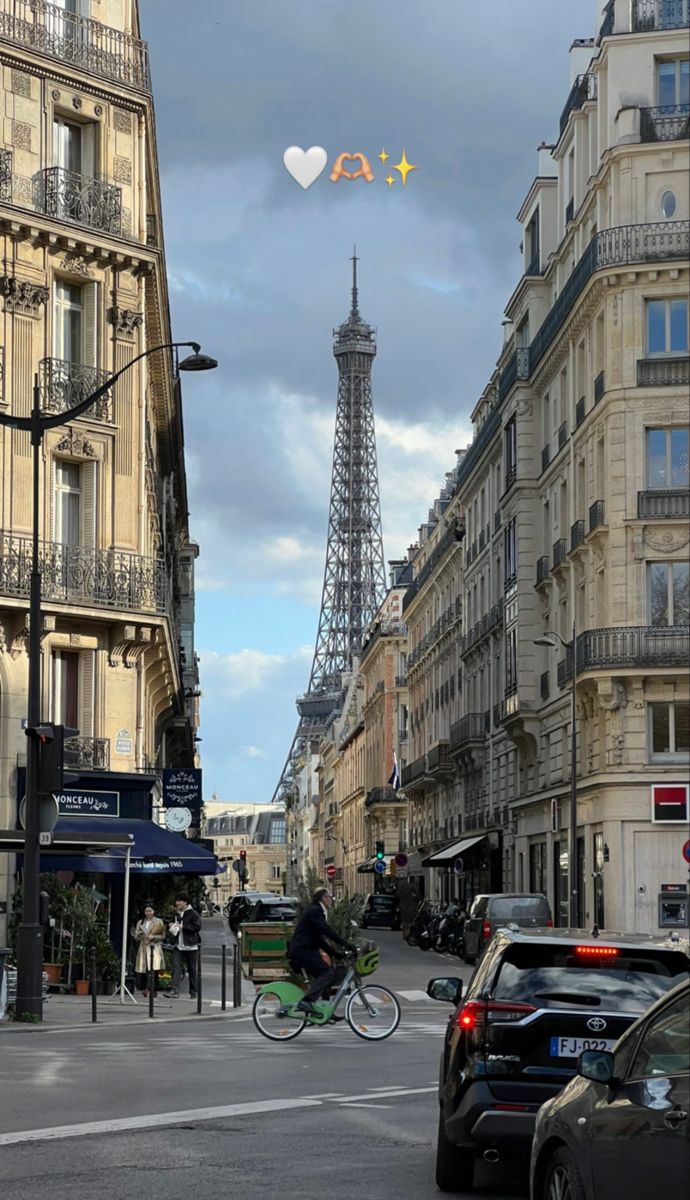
pixel 372 1012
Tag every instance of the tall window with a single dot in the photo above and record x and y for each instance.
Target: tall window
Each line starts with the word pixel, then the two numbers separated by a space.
pixel 673 83
pixel 667 458
pixel 511 662
pixel 669 730
pixel 669 593
pixel 65 688
pixel 74 146
pixel 276 870
pixel 537 867
pixel 277 832
pixel 532 246
pixel 510 437
pixel 67 503
pixel 667 326
pixel 510 552
pixel 68 317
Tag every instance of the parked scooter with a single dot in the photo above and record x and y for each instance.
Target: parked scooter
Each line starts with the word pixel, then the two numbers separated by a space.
pixel 449 937
pixel 419 925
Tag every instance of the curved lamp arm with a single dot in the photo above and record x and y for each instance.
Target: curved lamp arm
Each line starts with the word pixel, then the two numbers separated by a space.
pixel 61 418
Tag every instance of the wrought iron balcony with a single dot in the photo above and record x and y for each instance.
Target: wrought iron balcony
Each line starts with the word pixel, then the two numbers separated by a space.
pixel 413 771
pixel 596 515
pixel 91 753
pixel 401 681
pixel 64 384
pixel 78 198
pixel 511 476
pixel 84 575
pixel 152 230
pixel 89 45
pixel 498 520
pixel 570 210
pixel 545 456
pixel 659 14
pixel 599 387
pixel 580 411
pixel 577 535
pixel 559 554
pixel 542 569
pixel 583 89
pixel 634 646
pixel 545 685
pixel 663 372
pixel 562 435
pixel 498 713
pixel 564 670
pixel 482 539
pixel 664 503
pixel 5 176
pixel 438 761
pixel 469 729
pixel 671 123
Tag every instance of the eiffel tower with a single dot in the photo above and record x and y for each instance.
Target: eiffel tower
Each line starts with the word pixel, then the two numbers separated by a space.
pixel 354 579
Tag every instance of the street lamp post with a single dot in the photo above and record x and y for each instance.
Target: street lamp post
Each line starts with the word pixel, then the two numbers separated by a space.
pixel 551 640
pixel 29 1000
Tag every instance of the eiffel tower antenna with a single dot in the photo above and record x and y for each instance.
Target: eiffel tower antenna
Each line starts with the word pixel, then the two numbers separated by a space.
pixel 354 580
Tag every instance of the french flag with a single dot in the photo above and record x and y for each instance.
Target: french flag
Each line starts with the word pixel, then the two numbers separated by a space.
pixel 394 778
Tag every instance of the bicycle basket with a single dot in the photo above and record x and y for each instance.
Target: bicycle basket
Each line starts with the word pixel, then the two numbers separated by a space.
pixel 368 959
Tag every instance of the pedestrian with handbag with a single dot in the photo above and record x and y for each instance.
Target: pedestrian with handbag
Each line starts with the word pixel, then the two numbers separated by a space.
pixel 186 930
pixel 149 933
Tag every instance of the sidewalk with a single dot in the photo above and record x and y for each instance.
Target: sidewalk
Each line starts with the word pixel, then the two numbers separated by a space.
pixel 65 1013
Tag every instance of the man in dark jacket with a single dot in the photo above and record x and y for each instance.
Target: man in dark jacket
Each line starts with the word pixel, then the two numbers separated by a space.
pixel 312 935
pixel 187 929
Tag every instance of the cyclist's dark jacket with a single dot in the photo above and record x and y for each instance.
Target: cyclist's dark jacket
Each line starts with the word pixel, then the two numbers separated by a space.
pixel 313 933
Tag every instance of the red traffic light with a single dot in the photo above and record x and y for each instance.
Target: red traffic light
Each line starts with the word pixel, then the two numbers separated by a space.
pixel 243 855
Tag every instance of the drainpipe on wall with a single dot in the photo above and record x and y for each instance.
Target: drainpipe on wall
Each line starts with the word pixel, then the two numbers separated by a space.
pixel 139 736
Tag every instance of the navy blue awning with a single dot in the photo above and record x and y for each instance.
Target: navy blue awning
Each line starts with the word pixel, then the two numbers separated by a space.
pixel 156 851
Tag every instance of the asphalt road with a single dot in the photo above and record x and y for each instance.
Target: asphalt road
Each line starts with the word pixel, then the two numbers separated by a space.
pixel 207 1107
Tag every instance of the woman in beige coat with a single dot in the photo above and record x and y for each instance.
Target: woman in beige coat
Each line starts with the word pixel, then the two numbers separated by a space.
pixel 149 933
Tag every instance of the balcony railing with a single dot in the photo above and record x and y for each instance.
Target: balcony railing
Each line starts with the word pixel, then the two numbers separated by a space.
pixel 577 535
pixel 599 387
pixel 84 575
pixel 562 435
pixel 412 771
pixel 91 753
pixel 152 230
pixel 596 515
pixel 401 681
pixel 580 411
pixel 663 372
pixel 664 503
pixel 636 646
pixel 671 123
pixel 498 520
pixel 78 198
pixel 559 553
pixel 542 569
pixel 64 384
pixel 584 88
pixel 470 728
pixel 89 45
pixel 659 14
pixel 544 685
pixel 545 456
pixel 5 176
pixel 564 670
pixel 570 210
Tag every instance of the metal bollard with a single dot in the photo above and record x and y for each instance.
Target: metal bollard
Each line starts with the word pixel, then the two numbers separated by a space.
pixel 151 981
pixel 198 980
pixel 94 990
pixel 236 977
pixel 223 978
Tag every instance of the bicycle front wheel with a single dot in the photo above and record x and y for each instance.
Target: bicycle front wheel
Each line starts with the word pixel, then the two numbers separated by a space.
pixel 373 1013
pixel 267 1014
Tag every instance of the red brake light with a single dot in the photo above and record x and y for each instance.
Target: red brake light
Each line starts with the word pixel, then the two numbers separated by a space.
pixel 598 951
pixel 471 1015
pixel 549 924
pixel 476 1014
pixel 486 930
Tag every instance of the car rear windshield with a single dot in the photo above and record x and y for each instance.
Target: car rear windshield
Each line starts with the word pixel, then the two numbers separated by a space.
pixel 519 908
pixel 557 976
pixel 382 901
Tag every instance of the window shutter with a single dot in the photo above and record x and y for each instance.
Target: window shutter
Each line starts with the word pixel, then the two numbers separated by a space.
pixel 53 497
pixel 87 670
pixel 89 337
pixel 88 150
pixel 88 504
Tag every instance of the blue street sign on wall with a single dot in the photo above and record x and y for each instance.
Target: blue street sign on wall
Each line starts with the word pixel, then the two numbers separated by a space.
pixel 182 788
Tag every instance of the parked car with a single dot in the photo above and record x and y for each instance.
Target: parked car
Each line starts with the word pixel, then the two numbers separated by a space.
pixel 529 910
pixel 535 1002
pixel 621 1128
pixel 381 911
pixel 272 908
pixel 238 907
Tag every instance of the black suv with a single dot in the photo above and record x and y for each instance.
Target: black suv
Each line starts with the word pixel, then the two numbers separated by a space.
pixel 239 906
pixel 272 908
pixel 536 1000
pixel 381 910
pixel 489 912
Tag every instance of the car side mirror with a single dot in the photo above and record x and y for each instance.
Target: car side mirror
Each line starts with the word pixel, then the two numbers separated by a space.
pixel 597 1065
pixel 447 988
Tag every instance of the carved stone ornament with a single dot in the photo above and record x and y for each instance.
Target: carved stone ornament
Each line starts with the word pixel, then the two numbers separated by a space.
pixel 667 542
pixel 76 102
pixel 75 639
pixel 76 265
pixel 524 408
pixel 20 642
pixel 612 697
pixel 3 639
pixel 73 442
pixel 98 110
pixel 55 94
pixel 126 321
pixel 22 296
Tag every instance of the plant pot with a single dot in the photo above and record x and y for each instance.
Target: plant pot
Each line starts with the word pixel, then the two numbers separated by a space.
pixel 82 986
pixel 108 988
pixel 53 971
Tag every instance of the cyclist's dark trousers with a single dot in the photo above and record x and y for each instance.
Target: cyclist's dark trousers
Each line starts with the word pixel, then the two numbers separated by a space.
pixel 324 975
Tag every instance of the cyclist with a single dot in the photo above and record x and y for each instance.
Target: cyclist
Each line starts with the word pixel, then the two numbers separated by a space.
pixel 313 936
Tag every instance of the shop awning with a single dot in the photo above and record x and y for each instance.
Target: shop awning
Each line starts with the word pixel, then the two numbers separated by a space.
pixel 155 850
pixel 446 857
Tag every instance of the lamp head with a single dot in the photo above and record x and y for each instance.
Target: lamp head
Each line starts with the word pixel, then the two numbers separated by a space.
pixel 197 361
pixel 546 641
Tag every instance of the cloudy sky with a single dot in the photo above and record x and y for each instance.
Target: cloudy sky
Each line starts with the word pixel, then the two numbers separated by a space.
pixel 259 273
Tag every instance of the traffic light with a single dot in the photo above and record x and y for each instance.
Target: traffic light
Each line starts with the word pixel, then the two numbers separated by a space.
pixel 243 856
pixel 53 757
pixel 380 851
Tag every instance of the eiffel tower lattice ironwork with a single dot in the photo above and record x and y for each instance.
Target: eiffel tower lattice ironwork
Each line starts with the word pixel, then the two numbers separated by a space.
pixel 354 579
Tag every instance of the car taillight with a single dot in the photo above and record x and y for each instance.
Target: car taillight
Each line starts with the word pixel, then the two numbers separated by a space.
pixel 486 930
pixel 472 1015
pixel 597 951
pixel 475 1015
pixel 505 1011
pixel 549 924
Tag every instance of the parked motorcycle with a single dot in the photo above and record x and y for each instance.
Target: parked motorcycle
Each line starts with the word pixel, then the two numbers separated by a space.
pixel 419 925
pixel 449 937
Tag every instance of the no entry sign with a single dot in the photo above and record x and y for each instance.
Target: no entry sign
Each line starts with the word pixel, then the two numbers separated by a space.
pixel 331 871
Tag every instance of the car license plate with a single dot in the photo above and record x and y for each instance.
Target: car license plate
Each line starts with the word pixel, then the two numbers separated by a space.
pixel 572 1047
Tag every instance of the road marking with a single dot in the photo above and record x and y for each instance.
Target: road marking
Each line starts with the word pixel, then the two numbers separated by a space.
pixel 325 1095
pixel 414 995
pixel 349 1104
pixel 389 1095
pixel 154 1120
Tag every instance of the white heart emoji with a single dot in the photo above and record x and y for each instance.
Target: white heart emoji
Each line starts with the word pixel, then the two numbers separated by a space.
pixel 305 165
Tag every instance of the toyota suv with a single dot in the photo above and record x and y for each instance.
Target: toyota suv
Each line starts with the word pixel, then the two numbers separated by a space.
pixel 535 1002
